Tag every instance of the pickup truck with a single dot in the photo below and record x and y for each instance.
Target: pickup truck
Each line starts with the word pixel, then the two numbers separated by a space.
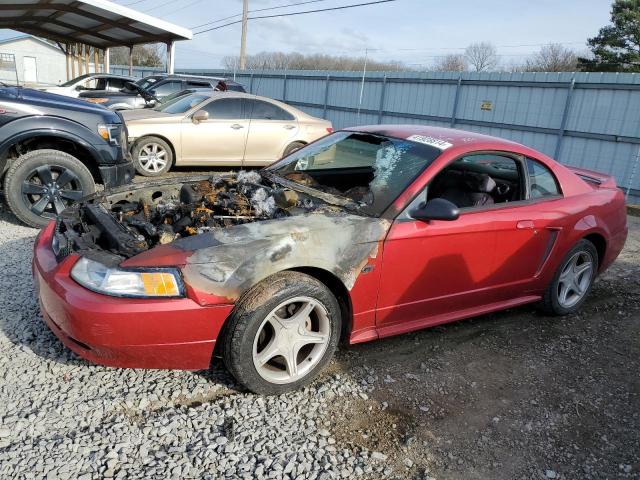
pixel 55 149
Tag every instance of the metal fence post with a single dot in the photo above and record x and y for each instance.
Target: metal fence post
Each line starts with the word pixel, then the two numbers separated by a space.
pixel 633 174
pixel 326 96
pixel 454 110
pixel 382 95
pixel 284 88
pixel 251 83
pixel 563 122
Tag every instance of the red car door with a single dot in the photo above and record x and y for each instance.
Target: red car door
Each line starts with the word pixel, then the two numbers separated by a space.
pixel 435 271
pixel 433 268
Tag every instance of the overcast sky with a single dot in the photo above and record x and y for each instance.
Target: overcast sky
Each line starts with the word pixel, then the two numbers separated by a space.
pixel 412 31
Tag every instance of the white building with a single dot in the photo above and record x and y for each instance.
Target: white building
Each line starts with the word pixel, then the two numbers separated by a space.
pixel 29 60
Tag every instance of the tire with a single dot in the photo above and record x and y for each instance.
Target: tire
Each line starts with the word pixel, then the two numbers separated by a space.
pixel 567 278
pixel 152 156
pixel 292 147
pixel 249 346
pixel 27 190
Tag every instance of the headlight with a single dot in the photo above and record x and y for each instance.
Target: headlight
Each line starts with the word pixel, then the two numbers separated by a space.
pixel 110 132
pixel 97 100
pixel 95 276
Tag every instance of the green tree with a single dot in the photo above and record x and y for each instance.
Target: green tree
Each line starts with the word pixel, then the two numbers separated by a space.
pixel 616 48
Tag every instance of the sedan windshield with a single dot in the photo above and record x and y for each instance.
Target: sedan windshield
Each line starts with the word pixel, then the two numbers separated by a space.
pixel 145 83
pixel 369 169
pixel 181 104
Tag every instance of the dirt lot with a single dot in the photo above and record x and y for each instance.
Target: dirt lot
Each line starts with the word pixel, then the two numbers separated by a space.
pixel 512 395
pixel 509 395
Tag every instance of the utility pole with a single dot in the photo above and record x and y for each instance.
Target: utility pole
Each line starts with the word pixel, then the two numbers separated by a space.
pixel 243 40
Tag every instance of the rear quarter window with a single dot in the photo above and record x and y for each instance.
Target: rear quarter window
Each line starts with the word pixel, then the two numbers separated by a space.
pixel 542 182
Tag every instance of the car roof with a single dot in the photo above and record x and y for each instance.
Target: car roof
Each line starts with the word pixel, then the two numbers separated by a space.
pixel 455 137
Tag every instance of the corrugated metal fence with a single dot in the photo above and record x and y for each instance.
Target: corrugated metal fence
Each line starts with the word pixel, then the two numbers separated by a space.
pixel 582 119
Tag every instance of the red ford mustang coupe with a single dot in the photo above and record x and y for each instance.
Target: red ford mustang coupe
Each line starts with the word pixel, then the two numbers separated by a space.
pixel 366 233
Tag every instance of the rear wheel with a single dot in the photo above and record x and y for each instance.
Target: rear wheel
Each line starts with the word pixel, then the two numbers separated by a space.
pixel 152 156
pixel 573 280
pixel 42 183
pixel 282 333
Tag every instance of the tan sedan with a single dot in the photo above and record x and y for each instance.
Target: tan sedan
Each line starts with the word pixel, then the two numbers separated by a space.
pixel 218 129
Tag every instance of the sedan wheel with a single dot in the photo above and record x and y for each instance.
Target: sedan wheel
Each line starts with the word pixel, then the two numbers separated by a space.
pixel 152 156
pixel 291 340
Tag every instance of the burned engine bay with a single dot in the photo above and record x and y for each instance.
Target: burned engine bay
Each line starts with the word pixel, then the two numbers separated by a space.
pixel 132 219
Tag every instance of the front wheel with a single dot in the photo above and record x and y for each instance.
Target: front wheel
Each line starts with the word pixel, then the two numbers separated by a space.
pixel 42 183
pixel 282 333
pixel 573 280
pixel 152 156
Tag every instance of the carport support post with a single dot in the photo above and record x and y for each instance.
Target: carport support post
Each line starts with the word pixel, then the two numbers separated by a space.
pixel 95 60
pixel 72 60
pixel 86 58
pixel 66 56
pixel 131 60
pixel 456 98
pixel 171 54
pixel 106 60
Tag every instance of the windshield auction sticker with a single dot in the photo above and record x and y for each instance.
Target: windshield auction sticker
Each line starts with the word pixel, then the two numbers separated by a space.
pixel 434 142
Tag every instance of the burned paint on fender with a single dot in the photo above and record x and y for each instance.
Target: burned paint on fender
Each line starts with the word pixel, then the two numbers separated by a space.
pixel 236 258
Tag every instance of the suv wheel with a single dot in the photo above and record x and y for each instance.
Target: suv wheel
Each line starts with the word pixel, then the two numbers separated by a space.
pixel 152 156
pixel 282 333
pixel 42 183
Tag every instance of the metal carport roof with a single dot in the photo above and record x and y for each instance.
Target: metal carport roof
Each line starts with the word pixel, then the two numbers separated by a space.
pixel 98 23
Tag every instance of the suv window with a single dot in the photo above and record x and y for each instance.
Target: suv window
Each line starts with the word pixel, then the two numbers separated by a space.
pixel 225 109
pixel 259 110
pixel 117 83
pixel 542 183
pixel 168 87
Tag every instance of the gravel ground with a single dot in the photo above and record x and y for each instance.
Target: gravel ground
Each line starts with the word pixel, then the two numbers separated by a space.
pixel 509 395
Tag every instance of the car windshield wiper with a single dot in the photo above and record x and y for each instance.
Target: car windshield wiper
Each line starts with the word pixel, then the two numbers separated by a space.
pixel 314 192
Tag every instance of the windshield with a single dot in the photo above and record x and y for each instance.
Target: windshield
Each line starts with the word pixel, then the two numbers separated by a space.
pixel 372 170
pixel 73 81
pixel 181 104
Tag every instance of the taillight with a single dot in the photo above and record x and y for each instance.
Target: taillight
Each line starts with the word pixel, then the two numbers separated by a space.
pixel 329 130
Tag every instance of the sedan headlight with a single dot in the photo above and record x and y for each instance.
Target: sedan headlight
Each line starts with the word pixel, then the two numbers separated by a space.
pixel 95 276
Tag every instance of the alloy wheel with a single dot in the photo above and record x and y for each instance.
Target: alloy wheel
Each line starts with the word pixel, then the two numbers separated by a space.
pixel 49 189
pixel 291 340
pixel 575 279
pixel 152 157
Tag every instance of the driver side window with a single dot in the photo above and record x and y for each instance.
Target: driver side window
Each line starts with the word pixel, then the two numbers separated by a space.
pixel 480 180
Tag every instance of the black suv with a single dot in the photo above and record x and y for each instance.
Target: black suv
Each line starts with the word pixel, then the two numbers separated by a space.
pixel 148 91
pixel 54 149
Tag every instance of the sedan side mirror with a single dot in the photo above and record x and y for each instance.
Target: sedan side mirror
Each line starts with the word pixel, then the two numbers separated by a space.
pixel 436 209
pixel 200 116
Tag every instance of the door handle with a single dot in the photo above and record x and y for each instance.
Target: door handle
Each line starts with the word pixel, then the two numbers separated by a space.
pixel 525 225
pixel 236 126
pixel 289 127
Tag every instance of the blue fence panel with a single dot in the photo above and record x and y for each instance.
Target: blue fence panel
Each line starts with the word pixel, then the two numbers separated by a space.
pixel 590 120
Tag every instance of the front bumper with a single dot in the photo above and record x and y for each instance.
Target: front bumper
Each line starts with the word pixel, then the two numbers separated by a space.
pixel 122 332
pixel 116 175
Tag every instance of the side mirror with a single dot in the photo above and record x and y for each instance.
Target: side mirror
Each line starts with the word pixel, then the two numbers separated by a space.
pixel 152 92
pixel 436 209
pixel 200 116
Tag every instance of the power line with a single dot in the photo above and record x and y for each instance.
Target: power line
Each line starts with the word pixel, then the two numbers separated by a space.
pixel 297 13
pixel 258 10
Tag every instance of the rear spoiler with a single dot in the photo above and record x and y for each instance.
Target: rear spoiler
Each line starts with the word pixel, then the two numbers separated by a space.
pixel 601 180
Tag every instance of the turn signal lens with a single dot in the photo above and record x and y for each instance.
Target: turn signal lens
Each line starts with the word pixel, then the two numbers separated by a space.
pixel 97 100
pixel 126 283
pixel 103 131
pixel 160 284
